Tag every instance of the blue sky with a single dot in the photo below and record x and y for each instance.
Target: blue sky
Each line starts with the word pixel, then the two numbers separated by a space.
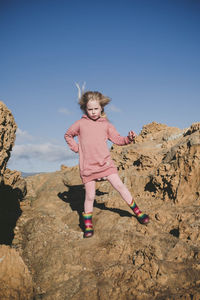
pixel 143 54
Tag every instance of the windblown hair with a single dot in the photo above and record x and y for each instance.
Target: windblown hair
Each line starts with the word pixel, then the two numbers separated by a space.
pixel 89 95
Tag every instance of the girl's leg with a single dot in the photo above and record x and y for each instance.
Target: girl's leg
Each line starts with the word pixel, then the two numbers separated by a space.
pixel 116 182
pixel 88 208
pixel 89 196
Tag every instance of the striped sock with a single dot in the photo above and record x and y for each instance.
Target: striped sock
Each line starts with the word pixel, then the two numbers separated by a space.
pixel 87 217
pixel 142 218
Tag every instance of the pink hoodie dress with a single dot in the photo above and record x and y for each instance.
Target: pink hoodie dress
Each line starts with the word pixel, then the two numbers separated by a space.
pixel 94 156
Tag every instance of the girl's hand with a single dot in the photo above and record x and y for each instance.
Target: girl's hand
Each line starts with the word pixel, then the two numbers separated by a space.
pixel 131 135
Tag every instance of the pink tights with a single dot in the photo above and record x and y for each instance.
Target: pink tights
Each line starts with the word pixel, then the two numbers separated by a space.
pixel 115 181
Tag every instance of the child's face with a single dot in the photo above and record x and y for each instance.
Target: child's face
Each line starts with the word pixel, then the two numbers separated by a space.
pixel 93 109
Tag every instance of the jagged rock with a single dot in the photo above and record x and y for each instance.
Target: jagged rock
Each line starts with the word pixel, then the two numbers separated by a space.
pixel 12 185
pixel 178 176
pixel 8 128
pixel 71 175
pixel 123 260
pixel 15 279
pixel 15 180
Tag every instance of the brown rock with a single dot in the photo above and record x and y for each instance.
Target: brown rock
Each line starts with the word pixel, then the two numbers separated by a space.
pixel 8 128
pixel 123 260
pixel 15 279
pixel 12 185
pixel 15 180
pixel 178 176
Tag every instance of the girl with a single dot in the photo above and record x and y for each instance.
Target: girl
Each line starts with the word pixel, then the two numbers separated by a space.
pixel 93 131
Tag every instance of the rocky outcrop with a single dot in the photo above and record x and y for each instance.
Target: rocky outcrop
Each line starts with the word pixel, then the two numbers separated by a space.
pixel 12 185
pixel 123 260
pixel 7 136
pixel 14 179
pixel 15 279
pixel 8 129
pixel 177 178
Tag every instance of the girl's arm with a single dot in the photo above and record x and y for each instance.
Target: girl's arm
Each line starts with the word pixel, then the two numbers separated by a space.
pixel 69 136
pixel 117 139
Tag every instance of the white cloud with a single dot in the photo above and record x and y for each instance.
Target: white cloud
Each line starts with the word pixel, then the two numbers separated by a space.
pixel 64 111
pixel 46 152
pixel 22 135
pixel 44 157
pixel 114 108
pixel 31 154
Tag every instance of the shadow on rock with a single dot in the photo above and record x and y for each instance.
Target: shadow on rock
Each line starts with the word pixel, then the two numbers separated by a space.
pixel 9 212
pixel 75 196
pixel 121 212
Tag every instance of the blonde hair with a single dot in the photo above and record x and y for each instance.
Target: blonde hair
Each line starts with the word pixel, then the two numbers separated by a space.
pixel 89 95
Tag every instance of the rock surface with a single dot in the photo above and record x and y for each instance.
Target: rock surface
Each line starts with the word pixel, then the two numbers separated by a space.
pixel 15 279
pixel 123 260
pixel 8 128
pixel 12 185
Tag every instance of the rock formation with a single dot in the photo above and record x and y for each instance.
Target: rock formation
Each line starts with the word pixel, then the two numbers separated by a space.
pixel 7 136
pixel 123 260
pixel 15 279
pixel 12 185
